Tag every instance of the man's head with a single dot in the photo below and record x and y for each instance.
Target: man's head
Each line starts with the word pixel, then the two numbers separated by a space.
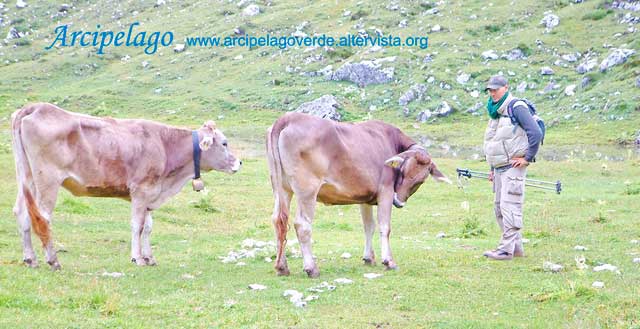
pixel 497 87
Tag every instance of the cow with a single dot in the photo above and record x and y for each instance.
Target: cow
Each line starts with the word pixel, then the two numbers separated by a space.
pixel 368 163
pixel 141 161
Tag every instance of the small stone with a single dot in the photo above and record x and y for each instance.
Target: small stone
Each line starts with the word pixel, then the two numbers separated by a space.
pixel 605 267
pixel 256 286
pixel 522 86
pixel 570 90
pixel 441 235
pixel 371 276
pixel 585 82
pixel 598 285
pixel 294 295
pixel 546 71
pixel 551 267
pixel 20 4
pixel 179 48
pixel 587 66
pixel 436 28
pixel 474 94
pixel 463 78
pixel 636 260
pixel 188 276
pixel 550 21
pixel 251 10
pixel 113 274
pixel 311 297
pixel 580 248
pixel 343 281
pixel 145 64
pixel 345 255
pixel 490 54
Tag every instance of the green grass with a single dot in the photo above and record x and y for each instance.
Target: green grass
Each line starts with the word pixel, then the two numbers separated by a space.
pixel 441 282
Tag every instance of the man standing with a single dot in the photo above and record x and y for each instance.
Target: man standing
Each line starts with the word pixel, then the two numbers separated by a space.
pixel 509 148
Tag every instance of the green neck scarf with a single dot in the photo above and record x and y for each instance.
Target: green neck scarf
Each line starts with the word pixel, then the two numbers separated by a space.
pixel 492 107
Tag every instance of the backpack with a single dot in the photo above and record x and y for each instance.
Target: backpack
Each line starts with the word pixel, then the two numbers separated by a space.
pixel 532 110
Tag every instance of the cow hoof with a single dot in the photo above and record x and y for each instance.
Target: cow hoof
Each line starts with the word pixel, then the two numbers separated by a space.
pixel 30 262
pixel 389 264
pixel 369 261
pixel 138 261
pixel 55 266
pixel 150 261
pixel 282 271
pixel 313 272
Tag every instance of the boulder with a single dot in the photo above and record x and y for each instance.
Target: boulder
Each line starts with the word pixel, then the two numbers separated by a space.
pixel 325 107
pixel 616 57
pixel 363 73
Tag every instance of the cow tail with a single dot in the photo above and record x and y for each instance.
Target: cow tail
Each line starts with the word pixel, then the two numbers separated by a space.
pixel 277 183
pixel 39 224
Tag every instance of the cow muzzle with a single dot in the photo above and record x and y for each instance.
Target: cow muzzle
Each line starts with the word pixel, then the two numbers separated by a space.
pixel 396 201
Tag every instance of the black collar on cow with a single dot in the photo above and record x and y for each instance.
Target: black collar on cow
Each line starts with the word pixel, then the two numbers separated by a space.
pixel 196 154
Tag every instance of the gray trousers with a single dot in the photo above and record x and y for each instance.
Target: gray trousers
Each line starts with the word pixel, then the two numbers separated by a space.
pixel 508 187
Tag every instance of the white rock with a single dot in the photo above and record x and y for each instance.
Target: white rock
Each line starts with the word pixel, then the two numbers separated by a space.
pixel 113 274
pixel 581 262
pixel 188 276
pixel 634 241
pixel 441 235
pixel 179 48
pixel 345 255
pixel 580 248
pixel 436 28
pixel 21 4
pixel 463 78
pixel 372 275
pixel 343 281
pixel 474 94
pixel 636 260
pixel 525 241
pixel 605 267
pixel 311 297
pixel 251 10
pixel 268 259
pixel 145 64
pixel 570 90
pixel 300 304
pixel 256 286
pixel 550 21
pixel 546 70
pixel 294 295
pixel 616 57
pixel 490 54
pixel 551 267
pixel 598 284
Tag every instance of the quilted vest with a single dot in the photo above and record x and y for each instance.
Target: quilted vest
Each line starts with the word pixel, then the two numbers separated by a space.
pixel 504 141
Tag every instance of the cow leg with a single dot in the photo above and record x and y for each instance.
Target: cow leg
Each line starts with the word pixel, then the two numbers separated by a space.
pixel 280 219
pixel 304 218
pixel 46 196
pixel 24 228
pixel 147 255
pixel 366 211
pixel 384 222
pixel 138 214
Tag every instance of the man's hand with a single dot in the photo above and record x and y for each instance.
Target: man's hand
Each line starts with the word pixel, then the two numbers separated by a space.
pixel 491 176
pixel 519 162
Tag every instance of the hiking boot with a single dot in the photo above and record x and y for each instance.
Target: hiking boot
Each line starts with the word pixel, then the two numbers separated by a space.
pixel 518 251
pixel 498 255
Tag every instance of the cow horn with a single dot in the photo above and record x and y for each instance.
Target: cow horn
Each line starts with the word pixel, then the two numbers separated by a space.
pixel 396 201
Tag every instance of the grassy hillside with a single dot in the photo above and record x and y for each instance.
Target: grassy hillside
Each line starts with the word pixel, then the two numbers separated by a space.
pixel 248 86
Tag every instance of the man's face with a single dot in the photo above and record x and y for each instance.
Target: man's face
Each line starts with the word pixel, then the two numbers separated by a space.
pixel 496 94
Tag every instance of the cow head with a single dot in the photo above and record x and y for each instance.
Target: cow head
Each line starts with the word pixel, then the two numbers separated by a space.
pixel 215 151
pixel 412 169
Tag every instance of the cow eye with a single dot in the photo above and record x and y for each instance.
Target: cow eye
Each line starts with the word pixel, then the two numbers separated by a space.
pixel 224 143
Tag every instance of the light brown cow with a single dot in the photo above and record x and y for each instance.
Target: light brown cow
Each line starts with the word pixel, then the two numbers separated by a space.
pixel 368 163
pixel 137 160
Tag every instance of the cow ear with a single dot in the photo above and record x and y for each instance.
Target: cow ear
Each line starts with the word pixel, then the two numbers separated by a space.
pixel 206 143
pixel 437 175
pixel 423 158
pixel 210 125
pixel 394 161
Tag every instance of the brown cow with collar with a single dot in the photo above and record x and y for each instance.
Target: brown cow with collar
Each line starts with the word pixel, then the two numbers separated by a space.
pixel 369 163
pixel 142 161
